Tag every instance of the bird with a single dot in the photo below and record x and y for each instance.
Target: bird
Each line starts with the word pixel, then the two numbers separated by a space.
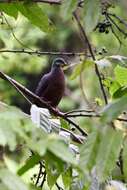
pixel 52 85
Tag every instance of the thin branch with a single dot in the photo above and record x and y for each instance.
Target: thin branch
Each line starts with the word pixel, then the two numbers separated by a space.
pixel 55 2
pixel 40 102
pixel 39 174
pixel 117 37
pixel 91 115
pixel 37 52
pixel 83 115
pixel 119 19
pixel 118 28
pixel 58 187
pixel 92 55
pixel 44 179
pixel 74 137
pixel 78 111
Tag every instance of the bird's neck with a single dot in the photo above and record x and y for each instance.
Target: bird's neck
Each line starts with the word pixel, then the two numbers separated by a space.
pixel 56 70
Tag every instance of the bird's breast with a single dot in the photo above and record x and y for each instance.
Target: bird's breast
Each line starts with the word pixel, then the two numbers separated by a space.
pixel 55 90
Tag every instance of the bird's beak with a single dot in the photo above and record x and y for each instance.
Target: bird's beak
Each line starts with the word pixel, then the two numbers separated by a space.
pixel 64 65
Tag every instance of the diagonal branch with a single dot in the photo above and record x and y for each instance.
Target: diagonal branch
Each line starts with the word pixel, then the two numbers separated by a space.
pixel 38 101
pixel 92 55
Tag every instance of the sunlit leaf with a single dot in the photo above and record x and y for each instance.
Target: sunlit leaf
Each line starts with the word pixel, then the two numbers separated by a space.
pixel 64 124
pixel 89 151
pixel 108 152
pixel 67 178
pixel 80 67
pixel 30 163
pixel 121 75
pixel 9 8
pixel 113 110
pixel 60 149
pixel 54 167
pixel 120 92
pixel 35 15
pixel 11 181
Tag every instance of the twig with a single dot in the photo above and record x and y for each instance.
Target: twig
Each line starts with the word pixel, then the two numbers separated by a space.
pixel 119 19
pixel 77 111
pixel 40 102
pixel 39 174
pixel 118 28
pixel 91 115
pixel 56 2
pixel 59 188
pixel 44 179
pixel 117 37
pixel 92 55
pixel 74 137
pixel 83 115
pixel 37 52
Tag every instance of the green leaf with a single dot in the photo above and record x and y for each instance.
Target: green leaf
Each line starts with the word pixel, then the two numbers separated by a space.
pixel 11 181
pixel 113 110
pixel 91 13
pixel 125 159
pixel 60 149
pixel 14 127
pixel 67 8
pixel 108 152
pixel 67 178
pixel 10 9
pixel 38 142
pixel 7 137
pixel 30 163
pixel 35 15
pixel 89 151
pixel 121 75
pixel 79 68
pixel 121 60
pixel 120 92
pixel 64 124
pixel 54 167
pixel 114 86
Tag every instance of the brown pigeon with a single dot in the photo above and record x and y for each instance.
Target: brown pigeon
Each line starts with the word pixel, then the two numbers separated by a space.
pixel 52 85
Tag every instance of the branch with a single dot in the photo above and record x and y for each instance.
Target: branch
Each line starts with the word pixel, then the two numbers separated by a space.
pixel 39 102
pixel 39 173
pixel 37 52
pixel 92 55
pixel 55 2
pixel 90 115
pixel 119 19
pixel 78 111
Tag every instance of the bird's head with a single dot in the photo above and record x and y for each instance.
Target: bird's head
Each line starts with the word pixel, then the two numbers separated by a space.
pixel 59 62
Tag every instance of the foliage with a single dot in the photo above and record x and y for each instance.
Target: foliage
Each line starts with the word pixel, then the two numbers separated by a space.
pixel 29 157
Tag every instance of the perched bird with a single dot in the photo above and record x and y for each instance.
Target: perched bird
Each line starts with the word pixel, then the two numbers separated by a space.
pixel 52 85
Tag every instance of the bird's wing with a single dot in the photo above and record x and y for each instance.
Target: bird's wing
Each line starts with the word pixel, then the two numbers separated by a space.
pixel 42 86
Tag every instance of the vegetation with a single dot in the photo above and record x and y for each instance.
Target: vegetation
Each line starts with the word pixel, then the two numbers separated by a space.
pixel 88 148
